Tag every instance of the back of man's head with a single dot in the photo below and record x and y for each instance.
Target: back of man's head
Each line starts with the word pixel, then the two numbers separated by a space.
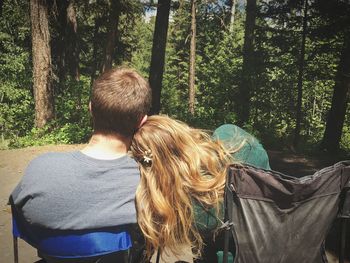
pixel 121 97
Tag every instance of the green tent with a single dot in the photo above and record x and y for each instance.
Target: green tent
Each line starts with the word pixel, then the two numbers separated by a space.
pixel 245 147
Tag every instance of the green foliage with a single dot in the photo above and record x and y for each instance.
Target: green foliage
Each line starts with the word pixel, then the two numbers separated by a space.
pixel 72 123
pixel 17 106
pixel 218 68
pixel 142 48
pixel 345 140
pixel 68 133
pixel 218 64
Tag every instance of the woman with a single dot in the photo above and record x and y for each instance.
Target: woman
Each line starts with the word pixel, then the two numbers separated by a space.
pixel 183 175
pixel 179 165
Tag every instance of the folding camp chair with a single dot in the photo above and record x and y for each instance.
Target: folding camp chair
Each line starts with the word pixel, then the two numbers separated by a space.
pixel 278 218
pixel 72 246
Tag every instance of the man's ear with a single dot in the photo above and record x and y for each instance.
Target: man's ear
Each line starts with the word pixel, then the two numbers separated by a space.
pixel 143 120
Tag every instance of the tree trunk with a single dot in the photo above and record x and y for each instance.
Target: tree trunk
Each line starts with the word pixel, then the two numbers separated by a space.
pixel 233 12
pixel 42 68
pixel 300 78
pixel 336 116
pixel 111 35
pixel 158 53
pixel 192 91
pixel 61 45
pixel 67 44
pixel 1 6
pixel 94 51
pixel 246 86
pixel 72 53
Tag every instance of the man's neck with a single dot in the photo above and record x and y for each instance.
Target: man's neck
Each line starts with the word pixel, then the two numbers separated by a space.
pixel 106 147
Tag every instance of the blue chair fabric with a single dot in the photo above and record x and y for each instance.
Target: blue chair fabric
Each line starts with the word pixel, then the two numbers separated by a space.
pixel 70 244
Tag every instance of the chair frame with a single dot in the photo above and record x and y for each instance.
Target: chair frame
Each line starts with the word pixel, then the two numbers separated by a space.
pixel 343 215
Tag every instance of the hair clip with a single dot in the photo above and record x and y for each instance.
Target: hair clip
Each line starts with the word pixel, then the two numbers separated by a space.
pixel 147 156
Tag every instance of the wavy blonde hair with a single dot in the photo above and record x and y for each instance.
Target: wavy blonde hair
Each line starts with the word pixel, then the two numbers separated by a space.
pixel 179 165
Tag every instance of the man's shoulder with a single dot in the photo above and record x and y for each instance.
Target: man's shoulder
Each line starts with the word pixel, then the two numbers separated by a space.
pixel 52 156
pixel 49 158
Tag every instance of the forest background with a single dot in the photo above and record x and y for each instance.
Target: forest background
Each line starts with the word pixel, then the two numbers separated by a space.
pixel 280 69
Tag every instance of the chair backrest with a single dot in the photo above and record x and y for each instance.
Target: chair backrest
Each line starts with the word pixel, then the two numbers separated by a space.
pixel 279 218
pixel 70 244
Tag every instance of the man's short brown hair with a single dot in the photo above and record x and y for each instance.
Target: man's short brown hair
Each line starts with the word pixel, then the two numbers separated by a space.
pixel 121 97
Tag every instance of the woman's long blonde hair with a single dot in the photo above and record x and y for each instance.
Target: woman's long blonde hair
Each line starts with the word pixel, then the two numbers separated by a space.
pixel 179 165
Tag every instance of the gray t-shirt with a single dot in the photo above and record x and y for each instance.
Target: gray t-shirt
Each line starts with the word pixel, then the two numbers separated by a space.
pixel 72 191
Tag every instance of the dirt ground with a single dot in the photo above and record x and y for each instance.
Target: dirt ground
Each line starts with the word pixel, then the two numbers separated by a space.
pixel 13 163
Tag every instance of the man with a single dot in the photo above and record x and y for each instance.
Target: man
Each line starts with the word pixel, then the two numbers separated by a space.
pixel 93 188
